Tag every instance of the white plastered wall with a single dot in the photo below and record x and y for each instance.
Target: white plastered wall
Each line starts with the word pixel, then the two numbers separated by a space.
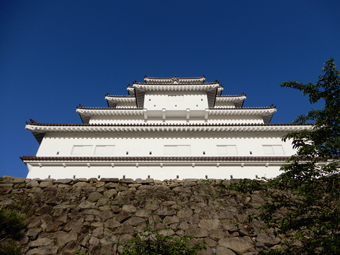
pixel 155 171
pixel 175 100
pixel 143 144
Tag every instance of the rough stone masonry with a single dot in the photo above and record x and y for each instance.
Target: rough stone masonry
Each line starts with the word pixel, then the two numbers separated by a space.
pixel 98 216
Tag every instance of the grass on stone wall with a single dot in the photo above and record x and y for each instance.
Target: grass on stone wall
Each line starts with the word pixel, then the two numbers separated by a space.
pixel 12 226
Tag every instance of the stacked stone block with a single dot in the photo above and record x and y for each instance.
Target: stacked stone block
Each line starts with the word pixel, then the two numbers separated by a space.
pixel 99 216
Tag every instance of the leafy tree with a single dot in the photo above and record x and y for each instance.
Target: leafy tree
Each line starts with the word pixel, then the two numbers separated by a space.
pixel 150 242
pixel 305 198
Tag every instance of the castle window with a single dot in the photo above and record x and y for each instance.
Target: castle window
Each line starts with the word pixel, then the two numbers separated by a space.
pixel 177 150
pixel 104 150
pixel 82 150
pixel 227 150
pixel 273 150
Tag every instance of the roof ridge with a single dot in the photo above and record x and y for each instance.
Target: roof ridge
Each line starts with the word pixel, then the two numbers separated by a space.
pixel 231 95
pixel 32 122
pixel 160 158
pixel 159 78
pixel 238 108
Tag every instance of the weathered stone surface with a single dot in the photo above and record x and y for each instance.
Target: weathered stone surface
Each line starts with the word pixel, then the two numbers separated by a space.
pixel 35 190
pixel 73 226
pixel 86 204
pixel 62 218
pixel 197 232
pixel 54 226
pixel 135 221
pixel 123 215
pixel 108 249
pixel 111 185
pixel 45 184
pixel 110 193
pixel 216 234
pixel 208 251
pixel 97 224
pixel 122 188
pixel 153 219
pixel 152 206
pixel 70 249
pixel 110 180
pixel 224 215
pixel 41 242
pixel 43 210
pixel 32 184
pixel 124 229
pixel 124 238
pixel 33 233
pixel 189 183
pixel 193 219
pixel 92 226
pixel 64 238
pixel 104 215
pixel 109 240
pixel 241 217
pixel 6 202
pixel 224 251
pixel 147 181
pixel 129 208
pixel 230 226
pixel 143 213
pixel 161 188
pixel 236 244
pixel 145 187
pixel 94 241
pixel 246 230
pixel 127 181
pixel 98 231
pixel 165 211
pixel 80 185
pixel 210 242
pixel 100 184
pixel 111 224
pixel 184 213
pixel 182 190
pixel 11 179
pixel 94 197
pixel 43 251
pixel 267 239
pixel 209 224
pixel 171 220
pixel 174 185
pixel 115 209
pixel 92 212
pixel 166 232
pixel 35 223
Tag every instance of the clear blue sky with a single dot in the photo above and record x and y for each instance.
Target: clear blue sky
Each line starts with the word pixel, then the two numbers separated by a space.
pixel 57 54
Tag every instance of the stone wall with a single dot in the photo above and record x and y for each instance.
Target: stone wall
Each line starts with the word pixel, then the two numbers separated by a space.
pixel 98 216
